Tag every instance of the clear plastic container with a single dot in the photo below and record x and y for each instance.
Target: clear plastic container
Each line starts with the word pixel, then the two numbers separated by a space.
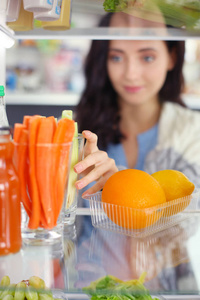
pixel 12 11
pixel 24 21
pixel 38 5
pixel 64 22
pixel 51 15
pixel 141 222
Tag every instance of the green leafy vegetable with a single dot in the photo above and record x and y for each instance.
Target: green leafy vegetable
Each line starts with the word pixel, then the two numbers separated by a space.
pixel 193 4
pixel 177 13
pixel 114 5
pixel 112 288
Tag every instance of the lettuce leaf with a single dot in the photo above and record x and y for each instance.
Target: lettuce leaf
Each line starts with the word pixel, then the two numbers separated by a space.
pixel 114 5
pixel 112 288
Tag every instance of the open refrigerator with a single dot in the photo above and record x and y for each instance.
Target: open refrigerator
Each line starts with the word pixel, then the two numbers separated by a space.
pixel 67 255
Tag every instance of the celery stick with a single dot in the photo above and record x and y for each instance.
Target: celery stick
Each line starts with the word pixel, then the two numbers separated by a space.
pixel 67 114
pixel 71 191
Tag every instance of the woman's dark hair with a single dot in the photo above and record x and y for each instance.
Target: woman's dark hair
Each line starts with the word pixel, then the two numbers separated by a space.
pixel 98 109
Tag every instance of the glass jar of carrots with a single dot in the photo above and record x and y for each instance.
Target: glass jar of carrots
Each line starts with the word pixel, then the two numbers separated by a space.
pixel 10 209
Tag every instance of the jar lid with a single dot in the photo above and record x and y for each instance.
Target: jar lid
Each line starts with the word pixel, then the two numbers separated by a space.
pixel 2 90
pixel 5 130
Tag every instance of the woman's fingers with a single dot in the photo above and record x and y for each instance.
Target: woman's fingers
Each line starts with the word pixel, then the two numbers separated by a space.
pixel 99 184
pixel 91 142
pixel 96 166
pixel 91 160
pixel 99 173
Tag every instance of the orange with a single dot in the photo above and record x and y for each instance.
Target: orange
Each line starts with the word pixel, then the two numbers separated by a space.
pixel 175 185
pixel 127 194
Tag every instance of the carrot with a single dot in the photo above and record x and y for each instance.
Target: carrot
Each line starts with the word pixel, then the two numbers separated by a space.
pixel 34 220
pixel 44 168
pixel 64 131
pixel 22 169
pixel 20 137
pixel 46 130
pixel 26 120
pixel 43 222
pixel 63 135
pixel 18 127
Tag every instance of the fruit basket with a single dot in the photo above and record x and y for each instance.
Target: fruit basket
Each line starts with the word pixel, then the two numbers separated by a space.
pixel 141 223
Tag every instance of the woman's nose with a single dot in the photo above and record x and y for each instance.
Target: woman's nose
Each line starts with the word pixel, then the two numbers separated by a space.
pixel 133 70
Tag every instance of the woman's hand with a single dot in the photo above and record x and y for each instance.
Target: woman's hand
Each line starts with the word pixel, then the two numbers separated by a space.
pixel 96 165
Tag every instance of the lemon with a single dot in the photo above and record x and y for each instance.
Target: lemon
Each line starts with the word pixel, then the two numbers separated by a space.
pixel 175 185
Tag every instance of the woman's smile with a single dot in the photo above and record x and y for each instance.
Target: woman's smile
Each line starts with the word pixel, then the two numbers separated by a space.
pixel 133 89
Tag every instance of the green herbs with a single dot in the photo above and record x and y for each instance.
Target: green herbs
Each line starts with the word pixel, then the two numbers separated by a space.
pixel 112 288
pixel 114 5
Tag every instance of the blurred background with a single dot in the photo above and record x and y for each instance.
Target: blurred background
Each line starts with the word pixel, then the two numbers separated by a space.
pixel 46 76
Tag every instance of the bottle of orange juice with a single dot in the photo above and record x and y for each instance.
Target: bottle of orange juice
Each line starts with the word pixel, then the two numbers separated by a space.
pixel 10 209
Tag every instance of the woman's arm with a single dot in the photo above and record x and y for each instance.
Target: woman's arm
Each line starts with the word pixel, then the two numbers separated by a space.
pixel 96 165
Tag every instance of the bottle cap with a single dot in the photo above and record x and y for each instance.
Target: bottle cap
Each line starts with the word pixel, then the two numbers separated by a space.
pixel 2 90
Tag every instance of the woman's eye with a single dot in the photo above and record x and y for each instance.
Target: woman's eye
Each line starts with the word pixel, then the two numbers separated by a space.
pixel 115 58
pixel 148 58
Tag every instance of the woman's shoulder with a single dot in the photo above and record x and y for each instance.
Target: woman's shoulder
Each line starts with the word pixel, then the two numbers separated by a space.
pixel 178 123
pixel 178 142
pixel 176 115
pixel 177 110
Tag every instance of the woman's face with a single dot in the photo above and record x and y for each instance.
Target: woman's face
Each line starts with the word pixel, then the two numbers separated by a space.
pixel 137 69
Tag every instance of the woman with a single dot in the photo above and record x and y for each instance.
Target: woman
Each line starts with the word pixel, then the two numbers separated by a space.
pixel 132 103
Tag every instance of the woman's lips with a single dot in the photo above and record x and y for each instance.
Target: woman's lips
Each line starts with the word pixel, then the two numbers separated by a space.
pixel 133 89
